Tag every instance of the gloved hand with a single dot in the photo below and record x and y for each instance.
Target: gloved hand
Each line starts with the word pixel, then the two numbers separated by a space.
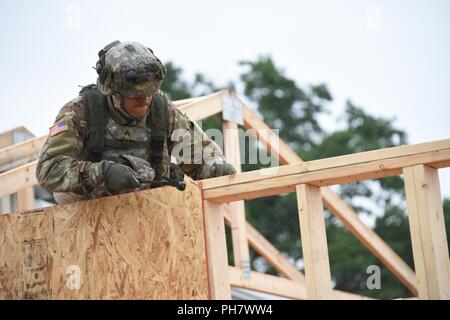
pixel 118 177
pixel 176 172
pixel 217 169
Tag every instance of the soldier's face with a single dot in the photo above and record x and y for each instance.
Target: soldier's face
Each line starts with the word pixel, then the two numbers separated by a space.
pixel 136 107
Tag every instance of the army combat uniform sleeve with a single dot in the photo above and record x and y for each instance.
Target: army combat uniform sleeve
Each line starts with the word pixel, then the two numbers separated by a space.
pixel 193 150
pixel 59 168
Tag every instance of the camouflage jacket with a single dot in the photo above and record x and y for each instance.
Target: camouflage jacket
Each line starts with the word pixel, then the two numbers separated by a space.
pixel 63 168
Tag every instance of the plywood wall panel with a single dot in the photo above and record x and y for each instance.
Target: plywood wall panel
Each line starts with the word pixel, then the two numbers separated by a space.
pixel 143 245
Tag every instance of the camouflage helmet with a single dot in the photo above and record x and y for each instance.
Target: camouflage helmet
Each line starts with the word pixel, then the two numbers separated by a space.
pixel 130 69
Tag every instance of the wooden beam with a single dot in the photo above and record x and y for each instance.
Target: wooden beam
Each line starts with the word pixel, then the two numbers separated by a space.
pixel 353 168
pixel 17 179
pixel 427 226
pixel 280 286
pixel 268 284
pixel 181 102
pixel 216 249
pixel 204 107
pixel 314 242
pixel 6 139
pixel 20 153
pixel 236 209
pixel 25 199
pixel 339 208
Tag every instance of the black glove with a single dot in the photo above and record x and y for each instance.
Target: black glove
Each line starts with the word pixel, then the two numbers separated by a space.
pixel 176 172
pixel 218 169
pixel 118 177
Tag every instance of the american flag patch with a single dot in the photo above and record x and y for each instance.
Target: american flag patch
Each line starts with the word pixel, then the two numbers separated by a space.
pixel 60 127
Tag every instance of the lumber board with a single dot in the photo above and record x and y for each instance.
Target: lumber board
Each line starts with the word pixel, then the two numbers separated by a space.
pixel 20 153
pixel 17 179
pixel 325 172
pixel 427 227
pixel 314 242
pixel 280 286
pixel 204 107
pixel 236 209
pixel 216 248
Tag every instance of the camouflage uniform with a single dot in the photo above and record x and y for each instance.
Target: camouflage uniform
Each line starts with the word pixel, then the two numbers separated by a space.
pixel 63 168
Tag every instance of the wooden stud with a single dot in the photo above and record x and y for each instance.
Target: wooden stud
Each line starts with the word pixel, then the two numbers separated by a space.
pixel 216 249
pixel 427 226
pixel 25 199
pixel 236 209
pixel 314 242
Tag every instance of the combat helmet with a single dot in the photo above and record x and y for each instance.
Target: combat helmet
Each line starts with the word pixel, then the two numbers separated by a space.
pixel 129 68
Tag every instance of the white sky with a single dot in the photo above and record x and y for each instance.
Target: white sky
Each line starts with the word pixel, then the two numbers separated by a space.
pixel 390 57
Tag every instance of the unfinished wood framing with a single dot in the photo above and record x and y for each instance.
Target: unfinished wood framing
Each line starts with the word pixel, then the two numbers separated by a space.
pixel 13 136
pixel 337 207
pixel 204 107
pixel 343 169
pixel 216 248
pixel 20 153
pixel 142 245
pixel 236 209
pixel 17 179
pixel 427 226
pixel 25 199
pixel 314 242
pixel 280 286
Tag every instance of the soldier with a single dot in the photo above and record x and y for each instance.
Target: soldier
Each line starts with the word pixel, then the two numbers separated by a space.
pixel 122 131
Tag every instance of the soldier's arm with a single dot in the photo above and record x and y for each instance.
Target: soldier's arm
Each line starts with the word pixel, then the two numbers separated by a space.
pixel 193 150
pixel 59 168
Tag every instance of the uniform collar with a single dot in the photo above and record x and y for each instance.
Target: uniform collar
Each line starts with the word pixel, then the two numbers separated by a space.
pixel 122 118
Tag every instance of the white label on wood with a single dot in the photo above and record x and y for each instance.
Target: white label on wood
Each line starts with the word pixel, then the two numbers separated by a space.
pixel 232 110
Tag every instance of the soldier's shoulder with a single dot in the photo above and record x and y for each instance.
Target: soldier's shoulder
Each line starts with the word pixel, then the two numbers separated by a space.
pixel 74 107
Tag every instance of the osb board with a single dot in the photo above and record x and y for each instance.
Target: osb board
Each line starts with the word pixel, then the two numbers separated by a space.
pixel 143 245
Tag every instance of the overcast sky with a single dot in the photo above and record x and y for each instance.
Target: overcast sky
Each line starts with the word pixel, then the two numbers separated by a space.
pixel 390 57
